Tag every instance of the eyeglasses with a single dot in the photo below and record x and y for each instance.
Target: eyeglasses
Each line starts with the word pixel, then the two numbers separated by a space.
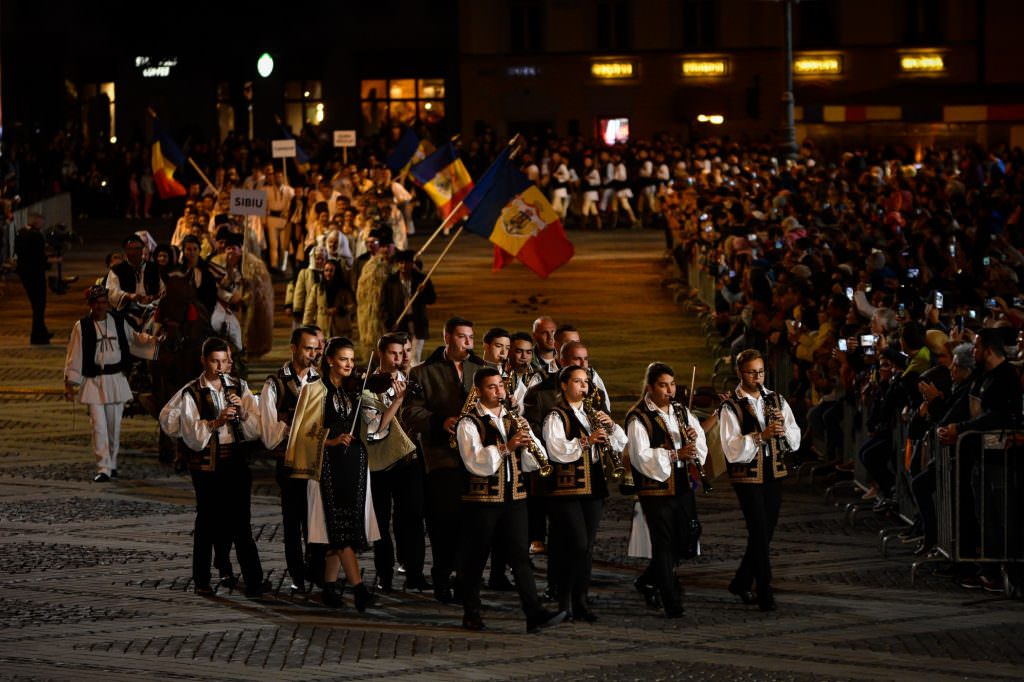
pixel 754 373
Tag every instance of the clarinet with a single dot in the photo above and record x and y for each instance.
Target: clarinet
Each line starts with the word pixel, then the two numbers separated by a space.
pixel 776 445
pixel 705 482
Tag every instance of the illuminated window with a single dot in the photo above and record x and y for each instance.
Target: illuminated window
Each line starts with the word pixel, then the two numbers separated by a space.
pixel 717 67
pixel 303 104
pixel 922 63
pixel 400 101
pixel 818 65
pixel 613 131
pixel 225 110
pixel 614 70
pixel 108 90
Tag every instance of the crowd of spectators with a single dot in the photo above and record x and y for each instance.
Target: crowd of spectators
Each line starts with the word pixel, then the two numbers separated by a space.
pixel 885 291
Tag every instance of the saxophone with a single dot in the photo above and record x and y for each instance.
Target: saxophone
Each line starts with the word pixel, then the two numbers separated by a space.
pixel 705 482
pixel 610 458
pixel 537 452
pixel 467 408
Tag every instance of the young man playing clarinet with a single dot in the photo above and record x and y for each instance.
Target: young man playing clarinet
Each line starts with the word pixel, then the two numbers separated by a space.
pixel 757 429
pixel 664 437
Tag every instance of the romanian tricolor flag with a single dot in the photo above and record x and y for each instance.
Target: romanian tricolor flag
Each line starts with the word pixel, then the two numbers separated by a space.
pixel 444 177
pixel 511 211
pixel 166 157
pixel 409 150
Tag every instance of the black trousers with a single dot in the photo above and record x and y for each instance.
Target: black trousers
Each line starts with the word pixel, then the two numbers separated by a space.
pixel 668 520
pixel 574 522
pixel 760 503
pixel 401 486
pixel 505 525
pixel 293 521
pixel 223 515
pixel 35 288
pixel 444 495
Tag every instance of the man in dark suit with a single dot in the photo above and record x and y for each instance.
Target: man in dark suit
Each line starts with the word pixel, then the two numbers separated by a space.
pixel 398 289
pixel 447 378
pixel 30 250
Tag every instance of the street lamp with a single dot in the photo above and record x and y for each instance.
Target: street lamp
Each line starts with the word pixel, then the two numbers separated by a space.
pixel 788 145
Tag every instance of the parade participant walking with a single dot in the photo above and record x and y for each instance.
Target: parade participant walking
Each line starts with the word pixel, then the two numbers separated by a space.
pixel 277 410
pixel 758 428
pixel 218 415
pixel 573 435
pixel 664 437
pixel 497 451
pixel 325 451
pixel 98 359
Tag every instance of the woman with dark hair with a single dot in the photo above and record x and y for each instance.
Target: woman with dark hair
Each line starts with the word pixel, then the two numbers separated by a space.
pixel 165 257
pixel 324 448
pixel 331 303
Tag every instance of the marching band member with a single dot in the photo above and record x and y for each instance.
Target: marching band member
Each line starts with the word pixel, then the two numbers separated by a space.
pixel 574 433
pixel 497 450
pixel 757 429
pixel 663 437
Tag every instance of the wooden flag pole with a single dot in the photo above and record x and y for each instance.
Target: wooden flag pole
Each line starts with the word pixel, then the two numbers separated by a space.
pixel 203 176
pixel 446 223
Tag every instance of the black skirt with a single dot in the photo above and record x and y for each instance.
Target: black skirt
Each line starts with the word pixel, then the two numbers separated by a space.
pixel 343 491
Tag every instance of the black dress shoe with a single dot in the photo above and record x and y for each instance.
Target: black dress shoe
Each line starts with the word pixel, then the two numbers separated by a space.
pixel 101 478
pixel 363 597
pixel 331 595
pixel 746 596
pixel 382 585
pixel 258 590
pixel 544 619
pixel 580 612
pixel 418 582
pixel 472 621
pixel 550 593
pixel 500 583
pixel 229 581
pixel 766 604
pixel 676 611
pixel 205 590
pixel 443 594
pixel 113 473
pixel 649 592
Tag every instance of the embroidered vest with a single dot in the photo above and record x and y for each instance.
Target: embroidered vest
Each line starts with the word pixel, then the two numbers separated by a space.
pixel 583 477
pixel 657 431
pixel 207 458
pixel 89 366
pixel 495 489
pixel 753 471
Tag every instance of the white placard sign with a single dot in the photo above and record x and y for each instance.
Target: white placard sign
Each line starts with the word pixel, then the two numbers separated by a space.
pixel 282 149
pixel 248 202
pixel 344 138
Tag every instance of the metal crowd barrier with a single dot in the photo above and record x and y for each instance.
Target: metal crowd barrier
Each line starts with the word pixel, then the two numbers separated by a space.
pixel 978 482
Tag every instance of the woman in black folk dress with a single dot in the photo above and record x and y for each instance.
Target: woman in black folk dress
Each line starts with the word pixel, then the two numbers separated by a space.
pixel 323 449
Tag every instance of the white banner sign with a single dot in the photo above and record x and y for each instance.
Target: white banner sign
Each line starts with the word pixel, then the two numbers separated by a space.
pixel 248 202
pixel 282 149
pixel 344 138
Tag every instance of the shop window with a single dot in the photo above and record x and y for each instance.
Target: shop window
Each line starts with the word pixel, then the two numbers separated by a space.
pixel 401 101
pixel 303 104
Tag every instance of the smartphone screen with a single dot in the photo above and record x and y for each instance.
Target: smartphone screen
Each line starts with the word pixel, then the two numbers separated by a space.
pixel 938 300
pixel 843 345
pixel 867 340
pixel 849 293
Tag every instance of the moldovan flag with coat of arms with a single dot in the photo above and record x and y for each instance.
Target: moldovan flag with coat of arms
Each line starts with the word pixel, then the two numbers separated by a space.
pixel 444 177
pixel 516 216
pixel 166 157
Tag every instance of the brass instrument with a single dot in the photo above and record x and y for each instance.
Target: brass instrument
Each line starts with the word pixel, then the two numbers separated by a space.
pixel 776 445
pixel 467 408
pixel 521 424
pixel 611 459
pixel 705 482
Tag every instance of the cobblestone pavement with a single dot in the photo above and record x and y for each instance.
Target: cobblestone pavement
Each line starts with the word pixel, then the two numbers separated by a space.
pixel 96 577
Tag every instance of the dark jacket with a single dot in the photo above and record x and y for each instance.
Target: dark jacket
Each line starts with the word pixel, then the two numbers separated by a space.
pixel 539 400
pixel 394 303
pixel 442 397
pixel 998 398
pixel 30 248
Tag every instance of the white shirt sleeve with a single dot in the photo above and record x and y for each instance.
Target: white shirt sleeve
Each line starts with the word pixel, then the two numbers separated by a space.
pixel 702 441
pixel 195 431
pixel 272 431
pixel 73 359
pixel 114 291
pixel 142 345
pixel 560 449
pixel 792 428
pixel 480 459
pixel 251 410
pixel 738 449
pixel 651 462
pixel 170 415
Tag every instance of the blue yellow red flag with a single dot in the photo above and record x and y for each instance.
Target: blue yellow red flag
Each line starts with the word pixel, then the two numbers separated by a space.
pixel 166 158
pixel 444 177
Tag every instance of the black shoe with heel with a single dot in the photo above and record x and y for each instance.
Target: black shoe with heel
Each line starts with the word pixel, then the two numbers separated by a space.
pixel 363 597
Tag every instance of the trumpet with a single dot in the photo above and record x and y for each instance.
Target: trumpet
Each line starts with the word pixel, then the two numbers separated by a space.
pixel 705 482
pixel 537 452
pixel 467 408
pixel 607 453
